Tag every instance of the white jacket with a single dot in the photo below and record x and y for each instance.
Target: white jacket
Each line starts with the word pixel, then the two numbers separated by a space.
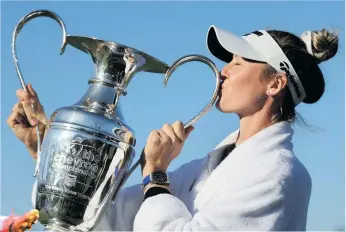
pixel 260 185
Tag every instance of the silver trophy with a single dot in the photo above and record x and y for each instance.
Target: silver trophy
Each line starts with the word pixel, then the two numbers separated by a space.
pixel 87 151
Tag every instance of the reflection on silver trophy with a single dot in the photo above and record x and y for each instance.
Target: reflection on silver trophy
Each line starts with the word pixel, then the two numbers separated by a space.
pixel 87 152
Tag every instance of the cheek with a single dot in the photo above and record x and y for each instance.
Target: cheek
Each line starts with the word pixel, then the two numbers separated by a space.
pixel 232 92
pixel 238 83
pixel 239 91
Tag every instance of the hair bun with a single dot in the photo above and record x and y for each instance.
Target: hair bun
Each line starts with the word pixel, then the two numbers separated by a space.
pixel 324 44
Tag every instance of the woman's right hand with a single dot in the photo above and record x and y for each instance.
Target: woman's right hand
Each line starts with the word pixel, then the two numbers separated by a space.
pixel 23 121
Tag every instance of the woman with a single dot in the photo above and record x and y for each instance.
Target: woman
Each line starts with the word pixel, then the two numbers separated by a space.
pixel 252 180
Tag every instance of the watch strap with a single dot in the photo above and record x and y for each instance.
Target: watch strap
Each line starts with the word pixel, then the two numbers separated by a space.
pixel 146 180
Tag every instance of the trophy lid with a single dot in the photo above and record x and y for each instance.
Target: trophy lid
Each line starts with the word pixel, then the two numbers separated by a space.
pixel 97 49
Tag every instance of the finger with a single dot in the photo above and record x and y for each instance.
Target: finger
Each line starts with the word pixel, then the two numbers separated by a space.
pixel 36 99
pixel 23 226
pixel 41 124
pixel 165 139
pixel 23 95
pixel 179 130
pixel 154 137
pixel 16 118
pixel 39 113
pixel 188 131
pixel 168 130
pixel 26 99
pixel 11 120
pixel 29 112
pixel 32 216
pixel 19 108
pixel 32 91
pixel 153 140
pixel 29 99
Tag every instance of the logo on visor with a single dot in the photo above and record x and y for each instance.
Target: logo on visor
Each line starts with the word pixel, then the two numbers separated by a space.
pixel 286 68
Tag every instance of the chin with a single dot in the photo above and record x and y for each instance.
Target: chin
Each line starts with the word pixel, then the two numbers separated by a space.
pixel 224 108
pixel 219 106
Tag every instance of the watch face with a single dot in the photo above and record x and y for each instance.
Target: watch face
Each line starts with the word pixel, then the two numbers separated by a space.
pixel 159 177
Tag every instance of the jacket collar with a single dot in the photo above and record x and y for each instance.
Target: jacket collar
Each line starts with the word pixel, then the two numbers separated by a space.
pixel 277 136
pixel 280 133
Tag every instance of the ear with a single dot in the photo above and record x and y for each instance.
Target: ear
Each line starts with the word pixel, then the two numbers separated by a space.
pixel 276 84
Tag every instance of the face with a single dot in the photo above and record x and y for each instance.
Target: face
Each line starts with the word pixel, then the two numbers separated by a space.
pixel 242 89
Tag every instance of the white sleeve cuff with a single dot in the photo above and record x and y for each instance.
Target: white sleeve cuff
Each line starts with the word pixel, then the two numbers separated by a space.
pixel 159 211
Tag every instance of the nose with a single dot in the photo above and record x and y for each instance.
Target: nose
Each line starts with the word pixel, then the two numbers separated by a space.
pixel 223 72
pixel 226 71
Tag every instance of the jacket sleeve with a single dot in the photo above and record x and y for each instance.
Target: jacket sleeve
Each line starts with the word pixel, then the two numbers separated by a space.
pixel 121 215
pixel 258 204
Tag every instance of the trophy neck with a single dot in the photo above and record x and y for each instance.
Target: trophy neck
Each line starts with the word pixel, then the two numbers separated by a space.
pixel 116 64
pixel 102 99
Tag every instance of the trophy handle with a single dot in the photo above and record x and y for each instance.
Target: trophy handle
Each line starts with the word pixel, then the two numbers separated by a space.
pixel 205 60
pixel 16 31
pixel 212 100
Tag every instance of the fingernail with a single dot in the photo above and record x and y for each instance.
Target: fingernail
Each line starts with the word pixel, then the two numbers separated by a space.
pixel 33 121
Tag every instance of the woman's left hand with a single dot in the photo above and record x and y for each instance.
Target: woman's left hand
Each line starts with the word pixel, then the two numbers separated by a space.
pixel 163 146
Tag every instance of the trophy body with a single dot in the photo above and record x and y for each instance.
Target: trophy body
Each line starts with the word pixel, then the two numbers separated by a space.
pixel 87 149
pixel 81 168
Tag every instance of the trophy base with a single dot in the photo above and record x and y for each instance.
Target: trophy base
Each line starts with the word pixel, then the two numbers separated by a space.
pixel 58 226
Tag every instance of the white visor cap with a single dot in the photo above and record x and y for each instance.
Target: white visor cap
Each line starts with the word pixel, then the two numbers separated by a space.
pixel 257 46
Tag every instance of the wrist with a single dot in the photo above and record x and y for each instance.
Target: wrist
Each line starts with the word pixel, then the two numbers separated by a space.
pixel 152 185
pixel 150 168
pixel 155 178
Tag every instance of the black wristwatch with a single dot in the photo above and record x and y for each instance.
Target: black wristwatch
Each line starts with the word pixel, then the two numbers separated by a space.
pixel 157 177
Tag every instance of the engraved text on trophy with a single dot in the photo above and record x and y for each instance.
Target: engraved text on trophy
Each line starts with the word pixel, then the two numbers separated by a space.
pixel 74 168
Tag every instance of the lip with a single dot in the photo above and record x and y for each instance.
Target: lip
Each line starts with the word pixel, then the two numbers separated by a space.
pixel 220 92
pixel 220 88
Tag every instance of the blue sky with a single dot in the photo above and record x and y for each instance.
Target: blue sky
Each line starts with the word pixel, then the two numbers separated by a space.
pixel 169 30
